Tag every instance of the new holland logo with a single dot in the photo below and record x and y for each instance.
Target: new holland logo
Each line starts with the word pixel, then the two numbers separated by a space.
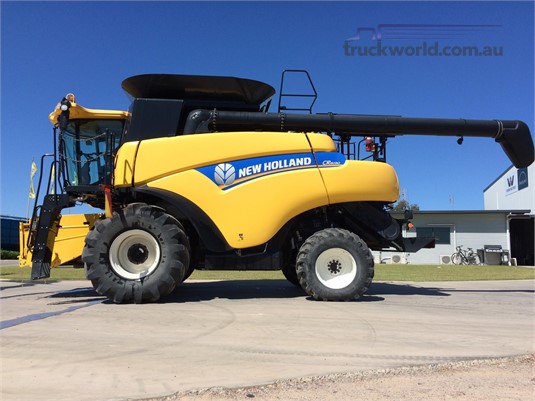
pixel 224 174
pixel 228 175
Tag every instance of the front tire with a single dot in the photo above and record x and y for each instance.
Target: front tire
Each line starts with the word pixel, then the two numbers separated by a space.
pixel 138 255
pixel 335 265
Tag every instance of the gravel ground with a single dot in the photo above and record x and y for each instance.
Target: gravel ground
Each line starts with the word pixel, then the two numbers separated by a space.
pixel 503 379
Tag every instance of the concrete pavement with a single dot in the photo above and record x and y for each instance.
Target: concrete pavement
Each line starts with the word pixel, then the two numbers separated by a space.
pixel 61 341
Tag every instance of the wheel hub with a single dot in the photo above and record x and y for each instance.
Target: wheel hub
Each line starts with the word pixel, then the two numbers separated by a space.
pixel 137 254
pixel 134 254
pixel 335 266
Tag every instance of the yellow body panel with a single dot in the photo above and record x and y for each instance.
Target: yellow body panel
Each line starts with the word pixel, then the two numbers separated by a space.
pixel 252 206
pixel 321 143
pixel 157 158
pixel 361 180
pixel 251 213
pixel 68 242
pixel 78 112
pixel 124 164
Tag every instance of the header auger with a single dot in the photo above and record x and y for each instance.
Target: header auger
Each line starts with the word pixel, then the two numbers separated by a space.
pixel 199 175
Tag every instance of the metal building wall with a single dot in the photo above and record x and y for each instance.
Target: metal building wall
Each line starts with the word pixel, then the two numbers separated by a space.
pixel 473 229
pixel 9 239
pixel 512 190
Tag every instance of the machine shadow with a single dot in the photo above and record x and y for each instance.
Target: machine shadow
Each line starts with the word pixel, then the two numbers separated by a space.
pixel 269 289
pixel 404 289
pixel 75 296
pixel 197 291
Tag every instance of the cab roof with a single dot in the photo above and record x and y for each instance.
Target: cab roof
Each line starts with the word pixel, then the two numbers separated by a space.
pixel 79 112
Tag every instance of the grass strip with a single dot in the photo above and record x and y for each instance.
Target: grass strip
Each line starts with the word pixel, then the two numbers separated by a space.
pixel 383 272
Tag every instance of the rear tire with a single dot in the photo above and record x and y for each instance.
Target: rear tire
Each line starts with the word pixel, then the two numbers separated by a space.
pixel 138 255
pixel 335 265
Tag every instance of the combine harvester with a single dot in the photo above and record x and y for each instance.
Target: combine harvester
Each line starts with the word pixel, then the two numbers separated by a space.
pixel 199 175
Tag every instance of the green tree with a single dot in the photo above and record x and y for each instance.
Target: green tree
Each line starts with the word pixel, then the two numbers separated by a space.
pixel 403 204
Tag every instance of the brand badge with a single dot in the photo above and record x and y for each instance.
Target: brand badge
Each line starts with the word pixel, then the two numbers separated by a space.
pixel 224 174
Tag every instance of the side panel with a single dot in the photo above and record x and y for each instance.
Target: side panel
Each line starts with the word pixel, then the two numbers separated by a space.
pixel 248 183
pixel 124 164
pixel 251 212
pixel 361 180
pixel 352 180
pixel 158 158
pixel 321 142
pixel 68 242
pixel 252 183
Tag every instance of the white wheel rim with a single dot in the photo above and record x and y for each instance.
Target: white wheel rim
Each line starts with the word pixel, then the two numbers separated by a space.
pixel 336 268
pixel 134 254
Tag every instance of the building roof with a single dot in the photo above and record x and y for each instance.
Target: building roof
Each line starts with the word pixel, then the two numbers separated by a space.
pixel 4 217
pixel 500 176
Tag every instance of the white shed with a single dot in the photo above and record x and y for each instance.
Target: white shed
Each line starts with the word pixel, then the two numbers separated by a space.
pixel 477 229
pixel 512 190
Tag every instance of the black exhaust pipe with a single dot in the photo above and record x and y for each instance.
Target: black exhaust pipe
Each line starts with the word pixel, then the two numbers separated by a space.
pixel 514 136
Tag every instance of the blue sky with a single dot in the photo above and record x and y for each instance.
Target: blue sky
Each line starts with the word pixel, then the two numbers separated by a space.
pixel 51 48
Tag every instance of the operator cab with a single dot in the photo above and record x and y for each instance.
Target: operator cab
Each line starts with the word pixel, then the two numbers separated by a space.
pixel 87 145
pixel 87 142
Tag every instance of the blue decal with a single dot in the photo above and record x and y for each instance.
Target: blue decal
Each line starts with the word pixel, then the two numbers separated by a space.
pixel 330 159
pixel 231 173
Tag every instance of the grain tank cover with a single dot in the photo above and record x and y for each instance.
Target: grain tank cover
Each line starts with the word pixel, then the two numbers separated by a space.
pixel 197 87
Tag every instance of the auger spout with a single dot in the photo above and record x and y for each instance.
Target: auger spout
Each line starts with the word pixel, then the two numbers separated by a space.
pixel 514 136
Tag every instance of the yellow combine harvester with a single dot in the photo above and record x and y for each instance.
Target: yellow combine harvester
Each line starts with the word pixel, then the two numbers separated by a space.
pixel 199 175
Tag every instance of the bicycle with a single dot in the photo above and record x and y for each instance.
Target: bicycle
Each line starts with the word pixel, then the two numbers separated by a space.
pixel 465 257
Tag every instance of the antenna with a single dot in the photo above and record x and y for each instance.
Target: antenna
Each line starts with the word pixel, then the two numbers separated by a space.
pixel 452 202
